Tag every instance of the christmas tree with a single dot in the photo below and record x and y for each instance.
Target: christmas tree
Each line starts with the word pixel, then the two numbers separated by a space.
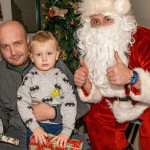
pixel 61 18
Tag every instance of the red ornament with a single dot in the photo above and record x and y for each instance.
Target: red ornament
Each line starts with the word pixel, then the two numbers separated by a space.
pixel 75 53
pixel 72 22
pixel 50 14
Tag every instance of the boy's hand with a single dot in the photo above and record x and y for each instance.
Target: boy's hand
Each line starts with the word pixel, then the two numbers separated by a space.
pixel 61 140
pixel 40 135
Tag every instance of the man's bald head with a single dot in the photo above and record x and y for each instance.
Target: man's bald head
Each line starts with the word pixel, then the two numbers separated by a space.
pixel 12 25
pixel 14 43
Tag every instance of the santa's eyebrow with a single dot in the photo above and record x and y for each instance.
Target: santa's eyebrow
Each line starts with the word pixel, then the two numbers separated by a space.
pixel 108 17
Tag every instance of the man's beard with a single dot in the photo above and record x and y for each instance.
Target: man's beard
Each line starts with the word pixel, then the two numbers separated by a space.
pixel 97 46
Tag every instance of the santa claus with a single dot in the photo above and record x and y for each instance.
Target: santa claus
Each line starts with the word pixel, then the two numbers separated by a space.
pixel 114 75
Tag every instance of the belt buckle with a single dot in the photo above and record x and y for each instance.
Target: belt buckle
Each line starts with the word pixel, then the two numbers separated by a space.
pixel 117 99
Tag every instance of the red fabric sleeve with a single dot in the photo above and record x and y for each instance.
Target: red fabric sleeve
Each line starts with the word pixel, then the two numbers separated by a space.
pixel 140 52
pixel 85 93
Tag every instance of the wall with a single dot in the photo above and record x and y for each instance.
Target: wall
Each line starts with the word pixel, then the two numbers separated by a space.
pixel 141 11
pixel 6 10
pixel 27 15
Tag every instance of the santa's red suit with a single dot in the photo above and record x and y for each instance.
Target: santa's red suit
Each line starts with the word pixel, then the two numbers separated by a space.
pixel 104 131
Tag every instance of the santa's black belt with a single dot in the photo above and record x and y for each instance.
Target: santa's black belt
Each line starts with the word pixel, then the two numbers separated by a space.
pixel 127 98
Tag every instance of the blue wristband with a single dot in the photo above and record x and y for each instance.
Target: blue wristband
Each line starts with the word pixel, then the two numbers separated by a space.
pixel 134 78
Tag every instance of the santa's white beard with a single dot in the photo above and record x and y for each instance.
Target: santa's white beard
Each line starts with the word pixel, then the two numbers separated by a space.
pixel 97 46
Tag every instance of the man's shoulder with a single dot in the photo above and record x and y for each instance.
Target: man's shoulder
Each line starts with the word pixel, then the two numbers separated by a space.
pixel 2 65
pixel 3 71
pixel 143 29
pixel 142 33
pixel 60 64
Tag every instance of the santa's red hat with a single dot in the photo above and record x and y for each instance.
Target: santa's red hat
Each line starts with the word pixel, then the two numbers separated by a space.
pixel 92 7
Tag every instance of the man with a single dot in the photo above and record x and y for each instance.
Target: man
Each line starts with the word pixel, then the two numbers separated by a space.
pixel 114 74
pixel 14 66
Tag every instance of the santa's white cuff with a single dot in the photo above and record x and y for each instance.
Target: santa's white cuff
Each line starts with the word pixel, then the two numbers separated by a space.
pixel 125 111
pixel 144 96
pixel 93 97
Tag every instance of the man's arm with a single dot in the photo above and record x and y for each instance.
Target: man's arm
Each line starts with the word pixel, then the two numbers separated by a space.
pixel 43 111
pixel 87 91
pixel 4 116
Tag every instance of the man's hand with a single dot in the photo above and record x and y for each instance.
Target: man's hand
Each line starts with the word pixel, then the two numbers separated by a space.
pixel 81 77
pixel 119 74
pixel 43 111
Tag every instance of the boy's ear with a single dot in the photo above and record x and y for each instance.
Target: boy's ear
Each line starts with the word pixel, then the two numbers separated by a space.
pixel 57 55
pixel 30 56
pixel 28 39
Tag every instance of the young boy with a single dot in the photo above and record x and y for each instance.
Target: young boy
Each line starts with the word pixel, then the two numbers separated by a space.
pixel 45 83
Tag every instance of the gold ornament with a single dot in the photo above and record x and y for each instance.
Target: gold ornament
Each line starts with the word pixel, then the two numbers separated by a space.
pixel 43 26
pixel 74 6
pixel 63 56
pixel 59 12
pixel 57 35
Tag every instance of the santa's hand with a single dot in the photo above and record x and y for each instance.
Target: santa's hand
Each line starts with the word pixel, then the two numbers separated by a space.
pixel 119 74
pixel 81 74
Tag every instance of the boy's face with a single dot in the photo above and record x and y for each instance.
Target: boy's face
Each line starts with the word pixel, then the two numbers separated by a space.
pixel 44 55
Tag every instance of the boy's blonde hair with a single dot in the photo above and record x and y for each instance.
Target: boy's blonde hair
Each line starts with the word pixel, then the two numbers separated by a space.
pixel 42 37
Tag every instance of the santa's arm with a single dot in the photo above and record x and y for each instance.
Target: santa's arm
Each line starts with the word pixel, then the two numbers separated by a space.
pixel 87 91
pixel 140 56
pixel 93 96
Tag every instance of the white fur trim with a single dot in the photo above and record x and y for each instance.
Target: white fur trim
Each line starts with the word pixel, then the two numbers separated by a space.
pixel 144 77
pixel 125 111
pixel 92 7
pixel 113 91
pixel 122 6
pixel 93 97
